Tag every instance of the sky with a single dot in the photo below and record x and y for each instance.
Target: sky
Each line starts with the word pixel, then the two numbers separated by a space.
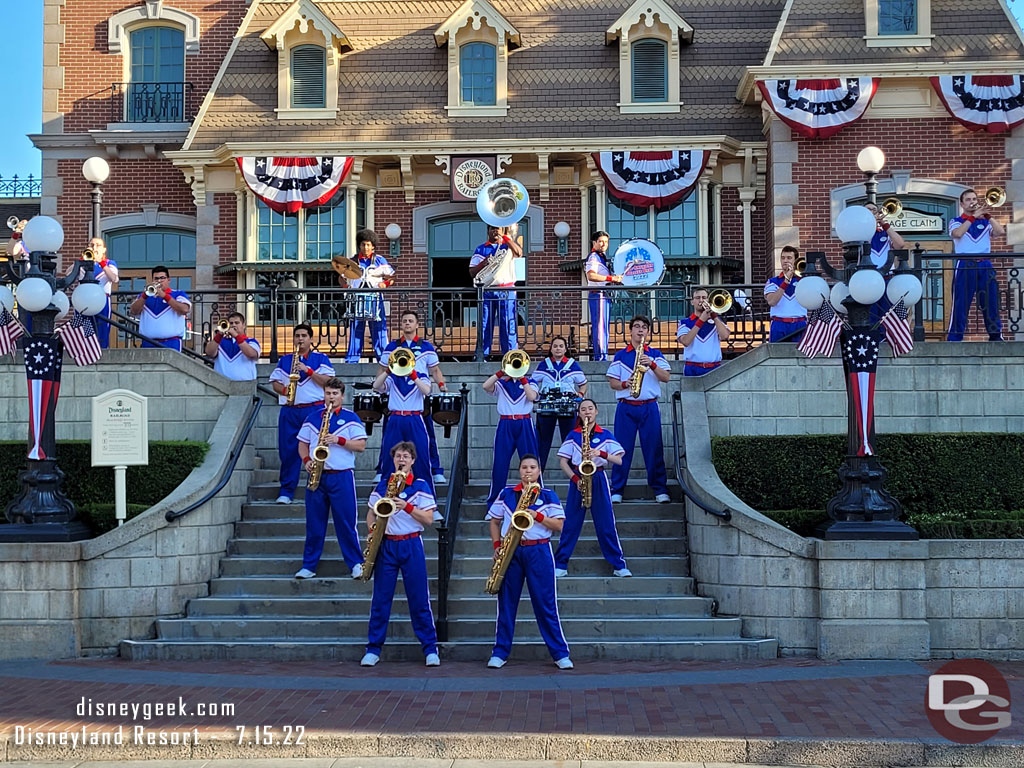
pixel 23 61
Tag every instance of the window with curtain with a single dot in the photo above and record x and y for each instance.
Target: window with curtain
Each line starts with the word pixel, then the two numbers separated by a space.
pixel 308 77
pixel 477 74
pixel 897 17
pixel 650 70
pixel 156 93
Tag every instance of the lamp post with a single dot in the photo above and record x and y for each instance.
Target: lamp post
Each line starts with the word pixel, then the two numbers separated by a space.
pixel 562 230
pixel 871 160
pixel 41 511
pixel 393 232
pixel 96 171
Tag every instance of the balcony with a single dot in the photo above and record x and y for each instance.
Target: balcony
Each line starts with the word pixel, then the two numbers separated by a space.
pixel 155 104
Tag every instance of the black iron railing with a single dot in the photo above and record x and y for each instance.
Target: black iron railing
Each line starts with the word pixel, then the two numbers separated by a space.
pixel 18 187
pixel 447 530
pixel 151 103
pixel 679 441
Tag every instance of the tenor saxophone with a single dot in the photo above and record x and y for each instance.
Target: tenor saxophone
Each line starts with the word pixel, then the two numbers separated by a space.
pixel 587 465
pixel 293 380
pixel 385 507
pixel 522 520
pixel 320 452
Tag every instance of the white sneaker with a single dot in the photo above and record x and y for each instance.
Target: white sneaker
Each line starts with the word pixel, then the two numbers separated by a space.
pixel 357 571
pixel 495 663
pixel 663 498
pixel 304 573
pixel 282 499
pixel 433 660
pixel 624 573
pixel 377 478
pixel 440 478
pixel 370 660
pixel 616 498
pixel 565 663
pixel 561 572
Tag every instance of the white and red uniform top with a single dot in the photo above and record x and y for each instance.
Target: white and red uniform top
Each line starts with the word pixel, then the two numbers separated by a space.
pixel 512 398
pixel 563 375
pixel 597 262
pixel 232 364
pixel 977 239
pixel 158 321
pixel 622 367
pixel 788 306
pixel 880 245
pixel 343 423
pixel 547 504
pixel 375 271
pixel 506 276
pixel 403 394
pixel 423 351
pixel 101 276
pixel 306 391
pixel 416 492
pixel 706 346
pixel 600 440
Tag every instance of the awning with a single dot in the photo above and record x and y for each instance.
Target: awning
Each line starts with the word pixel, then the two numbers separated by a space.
pixel 279 265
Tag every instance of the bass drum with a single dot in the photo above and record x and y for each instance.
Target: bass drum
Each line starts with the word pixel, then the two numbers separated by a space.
pixel 446 410
pixel 370 408
pixel 640 262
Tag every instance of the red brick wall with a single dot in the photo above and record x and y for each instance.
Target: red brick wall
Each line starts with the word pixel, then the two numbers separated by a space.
pixel 762 262
pixel 225 235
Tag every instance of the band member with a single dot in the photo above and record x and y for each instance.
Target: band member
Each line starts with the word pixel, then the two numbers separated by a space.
pixel 104 271
pixel 701 335
pixel 556 375
pixel 234 354
pixel 499 298
pixel 788 316
pixel 313 369
pixel 335 496
pixel 639 415
pixel 532 562
pixel 162 317
pixel 599 273
pixel 515 427
pixel 972 233
pixel 377 273
pixel 402 550
pixel 885 238
pixel 427 361
pixel 405 420
pixel 604 450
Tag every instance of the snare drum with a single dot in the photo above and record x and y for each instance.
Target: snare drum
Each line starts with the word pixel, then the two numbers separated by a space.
pixel 370 408
pixel 446 410
pixel 364 306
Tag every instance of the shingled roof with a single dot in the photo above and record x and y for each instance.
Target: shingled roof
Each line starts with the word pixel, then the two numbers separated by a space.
pixel 562 83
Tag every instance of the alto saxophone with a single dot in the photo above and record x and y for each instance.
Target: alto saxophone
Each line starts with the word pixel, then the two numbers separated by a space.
pixel 587 465
pixel 385 507
pixel 293 380
pixel 636 377
pixel 320 452
pixel 522 521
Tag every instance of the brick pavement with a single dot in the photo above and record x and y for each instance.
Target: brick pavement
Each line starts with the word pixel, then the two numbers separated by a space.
pixel 785 708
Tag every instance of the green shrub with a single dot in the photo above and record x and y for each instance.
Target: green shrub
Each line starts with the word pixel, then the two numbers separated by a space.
pixel 102 518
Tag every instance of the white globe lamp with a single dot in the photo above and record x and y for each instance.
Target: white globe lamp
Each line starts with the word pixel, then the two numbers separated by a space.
pixel 871 160
pixel 811 292
pixel 89 298
pixel 43 233
pixel 867 286
pixel 839 292
pixel 6 298
pixel 34 294
pixel 905 287
pixel 562 229
pixel 392 231
pixel 856 224
pixel 62 303
pixel 96 170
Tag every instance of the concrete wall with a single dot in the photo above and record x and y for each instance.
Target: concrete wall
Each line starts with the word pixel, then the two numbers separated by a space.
pixel 61 600
pixel 860 599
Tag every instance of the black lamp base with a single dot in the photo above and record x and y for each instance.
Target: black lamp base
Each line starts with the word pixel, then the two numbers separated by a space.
pixel 21 533
pixel 865 530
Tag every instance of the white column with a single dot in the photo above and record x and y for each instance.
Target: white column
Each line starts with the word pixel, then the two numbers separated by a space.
pixel 702 217
pixel 371 219
pixel 746 200
pixel 717 224
pixel 350 219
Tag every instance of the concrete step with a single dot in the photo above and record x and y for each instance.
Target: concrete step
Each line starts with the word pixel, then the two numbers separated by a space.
pixel 709 649
pixel 479 628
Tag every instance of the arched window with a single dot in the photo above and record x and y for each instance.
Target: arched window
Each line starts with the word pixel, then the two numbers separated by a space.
pixel 477 70
pixel 156 91
pixel 650 71
pixel 308 77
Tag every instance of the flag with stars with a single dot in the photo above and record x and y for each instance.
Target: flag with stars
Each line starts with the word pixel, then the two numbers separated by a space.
pixel 10 331
pixel 43 358
pixel 992 103
pixel 80 339
pixel 644 179
pixel 860 360
pixel 823 327
pixel 287 184
pixel 897 329
pixel 819 108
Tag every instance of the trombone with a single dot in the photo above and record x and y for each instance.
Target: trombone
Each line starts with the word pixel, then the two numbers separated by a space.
pixel 720 301
pixel 995 197
pixel 515 363
pixel 223 326
pixel 891 208
pixel 401 362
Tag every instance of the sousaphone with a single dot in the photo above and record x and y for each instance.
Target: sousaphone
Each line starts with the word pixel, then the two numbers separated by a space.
pixel 500 203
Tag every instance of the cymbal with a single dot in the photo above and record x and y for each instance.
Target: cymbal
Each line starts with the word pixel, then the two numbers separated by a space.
pixel 345 267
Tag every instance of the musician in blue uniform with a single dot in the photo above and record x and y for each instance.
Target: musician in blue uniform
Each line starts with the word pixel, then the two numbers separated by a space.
pixel 788 315
pixel 402 550
pixel 605 451
pixel 639 415
pixel 313 370
pixel 557 376
pixel 972 234
pixel 532 563
pixel 515 430
pixel 885 238
pixel 104 271
pixel 499 298
pixel 369 307
pixel 234 353
pixel 599 273
pixel 405 420
pixel 335 496
pixel 701 335
pixel 162 317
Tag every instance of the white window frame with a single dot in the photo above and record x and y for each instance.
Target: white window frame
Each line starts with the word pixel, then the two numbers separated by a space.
pixel 923 38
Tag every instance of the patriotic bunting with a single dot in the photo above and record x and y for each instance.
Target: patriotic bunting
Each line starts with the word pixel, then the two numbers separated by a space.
pixel 821 108
pixel 43 360
pixel 823 327
pixel 860 360
pixel 992 103
pixel 287 184
pixel 644 179
pixel 80 339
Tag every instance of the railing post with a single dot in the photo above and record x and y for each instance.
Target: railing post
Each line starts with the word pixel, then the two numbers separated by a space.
pixel 274 356
pixel 464 450
pixel 479 354
pixel 919 309
pixel 442 582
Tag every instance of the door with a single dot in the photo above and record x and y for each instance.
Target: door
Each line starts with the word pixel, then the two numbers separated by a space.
pixel 156 93
pixel 938 288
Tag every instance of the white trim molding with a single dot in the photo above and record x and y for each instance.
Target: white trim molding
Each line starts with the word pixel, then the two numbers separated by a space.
pixel 422 216
pixel 922 39
pixel 148 218
pixel 121 23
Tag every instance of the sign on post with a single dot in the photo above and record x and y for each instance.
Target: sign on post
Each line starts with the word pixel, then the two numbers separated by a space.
pixel 120 438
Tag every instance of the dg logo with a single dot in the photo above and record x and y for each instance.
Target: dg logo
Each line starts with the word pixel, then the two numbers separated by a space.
pixel 968 701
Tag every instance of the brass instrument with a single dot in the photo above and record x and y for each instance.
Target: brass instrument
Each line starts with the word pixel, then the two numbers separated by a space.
pixel 501 203
pixel 588 467
pixel 13 222
pixel 995 197
pixel 88 255
pixel 522 521
pixel 153 289
pixel 720 301
pixel 401 361
pixel 293 380
pixel 891 208
pixel 223 326
pixel 320 452
pixel 799 266
pixel 385 507
pixel 636 377
pixel 515 363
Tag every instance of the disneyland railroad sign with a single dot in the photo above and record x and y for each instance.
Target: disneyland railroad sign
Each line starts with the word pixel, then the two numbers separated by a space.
pixel 469 174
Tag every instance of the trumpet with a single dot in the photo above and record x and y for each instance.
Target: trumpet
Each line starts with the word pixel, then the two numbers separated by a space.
pixel 800 266
pixel 401 362
pixel 223 326
pixel 720 301
pixel 88 255
pixel 515 363
pixel 153 290
pixel 891 208
pixel 995 197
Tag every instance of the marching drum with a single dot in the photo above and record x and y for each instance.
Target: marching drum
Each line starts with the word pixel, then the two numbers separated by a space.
pixel 370 408
pixel 556 403
pixel 640 262
pixel 364 306
pixel 446 409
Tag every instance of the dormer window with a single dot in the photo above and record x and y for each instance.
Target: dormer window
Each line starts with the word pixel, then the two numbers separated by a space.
pixel 308 71
pixel 898 23
pixel 649 35
pixel 478 65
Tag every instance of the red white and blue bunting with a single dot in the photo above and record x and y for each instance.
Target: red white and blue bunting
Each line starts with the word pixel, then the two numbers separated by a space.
pixel 820 108
pixel 643 179
pixel 992 103
pixel 287 184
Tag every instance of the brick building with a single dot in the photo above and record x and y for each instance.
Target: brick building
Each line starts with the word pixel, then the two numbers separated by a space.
pixel 173 92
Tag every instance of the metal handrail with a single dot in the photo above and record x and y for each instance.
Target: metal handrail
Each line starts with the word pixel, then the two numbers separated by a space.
pixel 236 452
pixel 677 436
pixel 447 530
pixel 134 332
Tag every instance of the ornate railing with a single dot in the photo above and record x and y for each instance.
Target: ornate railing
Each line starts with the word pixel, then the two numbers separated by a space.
pixel 18 187
pixel 151 103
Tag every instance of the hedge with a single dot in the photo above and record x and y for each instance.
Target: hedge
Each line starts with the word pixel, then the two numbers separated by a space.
pixel 956 485
pixel 92 488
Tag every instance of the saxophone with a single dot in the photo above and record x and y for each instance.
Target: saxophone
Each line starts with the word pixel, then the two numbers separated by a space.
pixel 522 521
pixel 587 465
pixel 384 508
pixel 636 378
pixel 320 452
pixel 293 380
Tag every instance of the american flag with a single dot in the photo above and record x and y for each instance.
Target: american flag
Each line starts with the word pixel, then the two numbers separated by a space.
pixel 897 329
pixel 10 332
pixel 80 338
pixel 823 328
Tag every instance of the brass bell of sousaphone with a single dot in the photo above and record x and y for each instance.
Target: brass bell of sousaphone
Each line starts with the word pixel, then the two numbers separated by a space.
pixel 502 202
pixel 401 362
pixel 515 363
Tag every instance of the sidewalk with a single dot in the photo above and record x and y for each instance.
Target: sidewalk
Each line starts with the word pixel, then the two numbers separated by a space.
pixel 787 711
